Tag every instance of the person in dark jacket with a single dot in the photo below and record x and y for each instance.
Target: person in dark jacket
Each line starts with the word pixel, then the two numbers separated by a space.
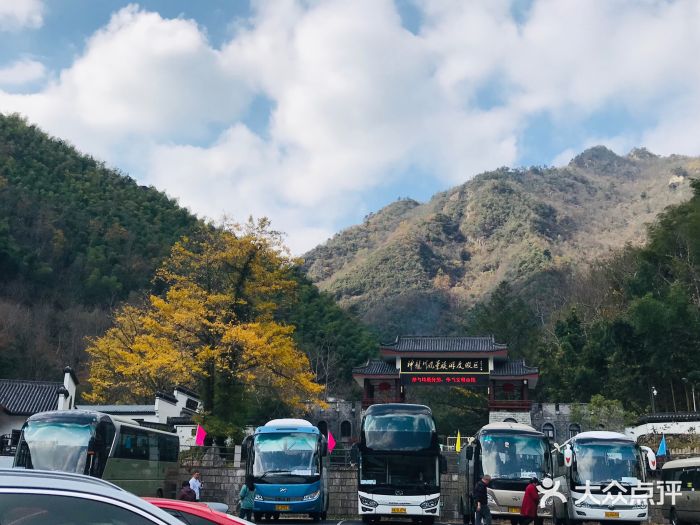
pixel 528 510
pixel 186 493
pixel 483 513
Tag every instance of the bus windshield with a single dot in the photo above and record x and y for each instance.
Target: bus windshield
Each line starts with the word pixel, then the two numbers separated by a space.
pixel 419 472
pixel 600 463
pixel 510 456
pixel 54 445
pixel 408 431
pixel 293 455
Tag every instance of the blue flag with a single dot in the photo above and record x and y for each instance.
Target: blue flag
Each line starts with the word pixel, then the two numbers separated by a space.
pixel 662 446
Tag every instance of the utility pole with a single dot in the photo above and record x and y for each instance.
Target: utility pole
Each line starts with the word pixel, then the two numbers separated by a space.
pixel 653 395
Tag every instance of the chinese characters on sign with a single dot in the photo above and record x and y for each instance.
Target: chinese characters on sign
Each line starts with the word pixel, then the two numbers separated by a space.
pixel 451 371
pixel 448 365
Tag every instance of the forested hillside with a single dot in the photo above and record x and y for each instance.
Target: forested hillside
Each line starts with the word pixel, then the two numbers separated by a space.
pixel 415 268
pixel 77 239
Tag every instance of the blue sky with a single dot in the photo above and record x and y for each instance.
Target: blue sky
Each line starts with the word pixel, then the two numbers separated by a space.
pixel 315 113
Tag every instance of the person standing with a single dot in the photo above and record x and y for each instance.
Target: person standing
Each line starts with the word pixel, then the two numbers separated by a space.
pixel 196 483
pixel 528 510
pixel 186 493
pixel 247 495
pixel 483 513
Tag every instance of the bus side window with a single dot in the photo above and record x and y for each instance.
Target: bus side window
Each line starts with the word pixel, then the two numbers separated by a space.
pixel 169 446
pixel 153 450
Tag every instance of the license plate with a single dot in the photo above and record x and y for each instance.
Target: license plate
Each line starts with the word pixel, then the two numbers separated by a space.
pixel 514 510
pixel 398 510
pixel 281 507
pixel 612 514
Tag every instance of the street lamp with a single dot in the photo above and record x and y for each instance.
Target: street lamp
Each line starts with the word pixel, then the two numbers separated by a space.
pixel 653 395
pixel 692 390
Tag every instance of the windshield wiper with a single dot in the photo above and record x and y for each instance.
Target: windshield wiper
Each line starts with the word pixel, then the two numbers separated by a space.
pixel 282 471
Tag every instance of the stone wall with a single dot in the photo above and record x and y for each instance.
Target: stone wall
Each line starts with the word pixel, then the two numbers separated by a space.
pixel 498 416
pixel 222 481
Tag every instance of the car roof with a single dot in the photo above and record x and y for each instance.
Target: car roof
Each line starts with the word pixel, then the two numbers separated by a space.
pixel 682 463
pixel 64 482
pixel 194 507
pixel 30 478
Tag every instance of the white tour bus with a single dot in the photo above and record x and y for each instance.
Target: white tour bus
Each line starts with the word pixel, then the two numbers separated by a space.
pixel 512 454
pixel 596 474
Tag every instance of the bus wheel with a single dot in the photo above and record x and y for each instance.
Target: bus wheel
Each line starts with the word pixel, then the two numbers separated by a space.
pixel 276 516
pixel 315 516
pixel 427 520
pixel 159 493
pixel 324 515
pixel 366 519
pixel 257 516
pixel 268 516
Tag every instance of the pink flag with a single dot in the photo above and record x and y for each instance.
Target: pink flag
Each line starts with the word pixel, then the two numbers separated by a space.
pixel 331 442
pixel 201 434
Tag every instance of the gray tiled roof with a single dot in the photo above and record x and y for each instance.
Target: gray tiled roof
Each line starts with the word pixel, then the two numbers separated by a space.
pixel 516 367
pixel 120 409
pixel 24 398
pixel 444 344
pixel 376 367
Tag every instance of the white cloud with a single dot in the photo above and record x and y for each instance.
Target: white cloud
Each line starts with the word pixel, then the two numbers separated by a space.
pixel 18 14
pixel 357 101
pixel 22 72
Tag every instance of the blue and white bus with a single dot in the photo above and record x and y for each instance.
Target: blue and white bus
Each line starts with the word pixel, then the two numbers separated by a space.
pixel 288 461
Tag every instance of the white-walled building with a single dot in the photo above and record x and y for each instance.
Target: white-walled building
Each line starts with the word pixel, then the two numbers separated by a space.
pixel 20 399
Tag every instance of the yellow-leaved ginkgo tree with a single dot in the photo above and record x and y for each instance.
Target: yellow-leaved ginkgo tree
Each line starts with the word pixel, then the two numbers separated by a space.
pixel 209 325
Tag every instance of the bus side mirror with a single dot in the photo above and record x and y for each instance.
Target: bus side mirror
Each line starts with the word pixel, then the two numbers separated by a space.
pixel 324 446
pixel 443 464
pixel 650 457
pixel 568 456
pixel 470 453
pixel 244 448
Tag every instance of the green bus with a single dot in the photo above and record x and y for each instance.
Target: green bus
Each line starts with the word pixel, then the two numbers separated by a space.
pixel 142 460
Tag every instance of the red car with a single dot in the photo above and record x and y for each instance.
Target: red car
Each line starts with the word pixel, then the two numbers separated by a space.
pixel 193 513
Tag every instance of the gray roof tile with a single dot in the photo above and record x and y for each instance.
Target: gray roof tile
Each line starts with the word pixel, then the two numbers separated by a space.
pixel 444 344
pixel 516 367
pixel 376 367
pixel 24 398
pixel 120 409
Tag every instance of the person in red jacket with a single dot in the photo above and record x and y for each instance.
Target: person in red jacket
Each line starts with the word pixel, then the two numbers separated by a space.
pixel 528 511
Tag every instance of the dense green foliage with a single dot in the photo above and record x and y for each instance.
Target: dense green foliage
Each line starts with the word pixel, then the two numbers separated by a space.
pixel 70 229
pixel 646 331
pixel 330 336
pixel 75 238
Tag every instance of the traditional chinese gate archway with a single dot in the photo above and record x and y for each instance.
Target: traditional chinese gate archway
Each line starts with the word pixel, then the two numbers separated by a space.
pixel 475 362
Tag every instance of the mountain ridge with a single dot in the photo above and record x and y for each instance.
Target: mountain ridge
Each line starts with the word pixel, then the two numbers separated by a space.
pixel 507 224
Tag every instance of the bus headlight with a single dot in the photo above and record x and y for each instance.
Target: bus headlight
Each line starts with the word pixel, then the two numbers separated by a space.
pixel 430 503
pixel 640 506
pixel 258 497
pixel 490 499
pixel 368 502
pixel 312 496
pixel 581 503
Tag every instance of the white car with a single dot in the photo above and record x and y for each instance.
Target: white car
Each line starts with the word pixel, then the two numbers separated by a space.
pixel 35 497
